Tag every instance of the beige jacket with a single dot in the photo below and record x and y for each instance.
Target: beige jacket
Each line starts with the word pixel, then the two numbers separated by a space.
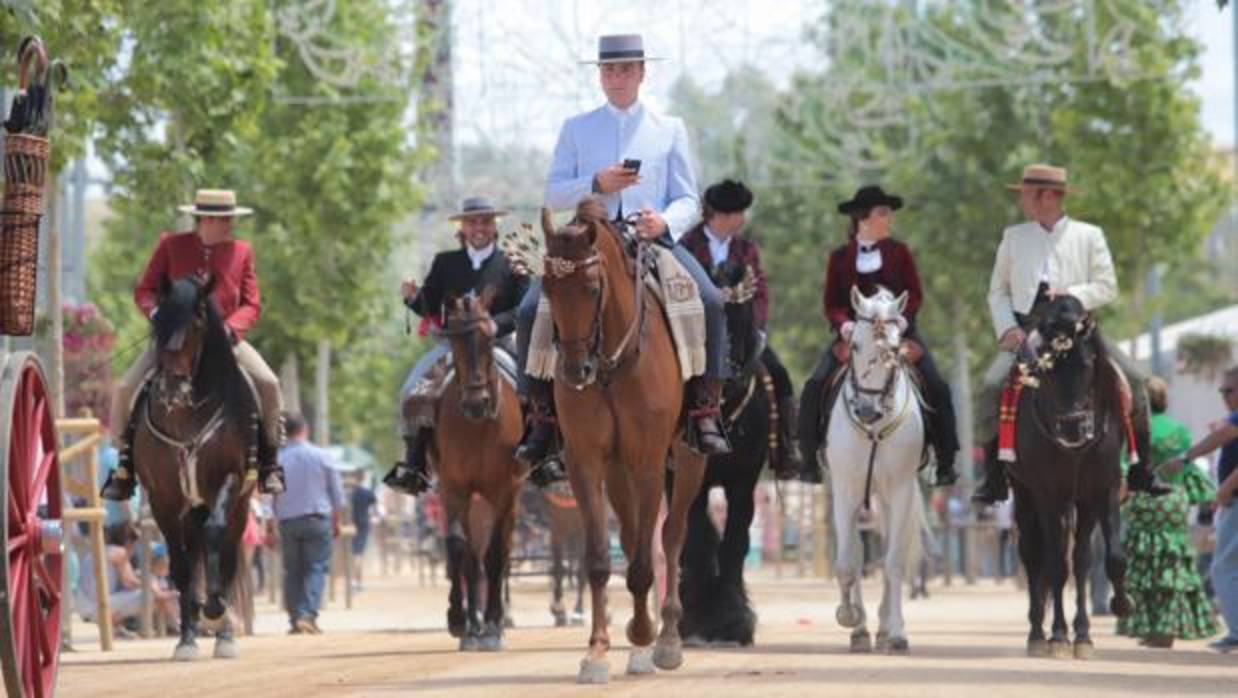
pixel 1074 256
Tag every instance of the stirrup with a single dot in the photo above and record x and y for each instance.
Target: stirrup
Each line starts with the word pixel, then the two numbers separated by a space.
pixel 407 480
pixel 271 480
pixel 989 493
pixel 547 472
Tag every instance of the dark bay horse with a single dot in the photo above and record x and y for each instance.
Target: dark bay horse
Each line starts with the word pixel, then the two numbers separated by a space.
pixel 478 427
pixel 195 434
pixel 1070 433
pixel 619 395
pixel 715 601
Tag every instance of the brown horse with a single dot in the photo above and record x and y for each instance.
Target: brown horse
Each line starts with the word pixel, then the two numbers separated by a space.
pixel 619 395
pixel 479 426
pixel 195 431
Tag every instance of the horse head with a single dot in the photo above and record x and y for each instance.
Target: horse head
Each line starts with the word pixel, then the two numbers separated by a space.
pixel 186 327
pixel 471 332
pixel 574 282
pixel 738 285
pixel 874 350
pixel 1064 349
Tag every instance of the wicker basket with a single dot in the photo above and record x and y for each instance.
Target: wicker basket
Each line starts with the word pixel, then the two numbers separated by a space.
pixel 19 265
pixel 25 173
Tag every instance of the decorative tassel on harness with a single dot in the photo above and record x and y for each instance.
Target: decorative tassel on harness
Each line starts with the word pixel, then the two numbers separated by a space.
pixel 1008 420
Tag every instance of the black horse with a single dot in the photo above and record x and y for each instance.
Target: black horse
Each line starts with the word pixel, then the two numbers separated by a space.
pixel 715 600
pixel 196 430
pixel 1070 432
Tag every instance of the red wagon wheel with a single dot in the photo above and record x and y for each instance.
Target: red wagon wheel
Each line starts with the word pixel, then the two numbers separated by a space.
pixel 32 570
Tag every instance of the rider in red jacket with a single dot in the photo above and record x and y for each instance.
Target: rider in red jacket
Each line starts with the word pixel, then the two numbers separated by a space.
pixel 209 250
pixel 871 258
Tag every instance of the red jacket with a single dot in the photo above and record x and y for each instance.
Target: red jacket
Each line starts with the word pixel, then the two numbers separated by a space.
pixel 897 273
pixel 230 263
pixel 741 251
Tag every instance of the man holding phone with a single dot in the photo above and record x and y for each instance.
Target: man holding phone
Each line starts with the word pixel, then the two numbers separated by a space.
pixel 637 162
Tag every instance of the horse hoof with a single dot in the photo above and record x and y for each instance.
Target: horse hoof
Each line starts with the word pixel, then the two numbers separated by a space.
pixel 898 645
pixel 1084 649
pixel 695 642
pixel 882 642
pixel 594 671
pixel 470 643
pixel 185 652
pixel 577 619
pixel 668 657
pixel 848 615
pixel 1060 649
pixel 1121 606
pixel 861 642
pixel 226 649
pixel 640 661
pixel 1037 648
pixel 560 620
pixel 508 622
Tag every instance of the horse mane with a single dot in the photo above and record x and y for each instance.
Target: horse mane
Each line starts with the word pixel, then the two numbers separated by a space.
pixel 217 373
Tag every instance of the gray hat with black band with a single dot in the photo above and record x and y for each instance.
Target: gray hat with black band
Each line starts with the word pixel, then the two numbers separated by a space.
pixel 621 48
pixel 476 206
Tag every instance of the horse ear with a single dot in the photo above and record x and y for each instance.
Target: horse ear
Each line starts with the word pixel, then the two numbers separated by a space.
pixel 548 224
pixel 487 297
pixel 901 302
pixel 857 299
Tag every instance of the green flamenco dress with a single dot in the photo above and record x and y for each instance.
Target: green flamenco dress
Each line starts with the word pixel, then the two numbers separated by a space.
pixel 1161 579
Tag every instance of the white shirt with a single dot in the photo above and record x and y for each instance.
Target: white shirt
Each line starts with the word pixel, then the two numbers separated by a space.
pixel 590 142
pixel 867 257
pixel 1073 256
pixel 479 257
pixel 719 248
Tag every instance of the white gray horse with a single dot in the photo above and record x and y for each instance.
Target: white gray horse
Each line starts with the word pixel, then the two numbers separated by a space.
pixel 875 440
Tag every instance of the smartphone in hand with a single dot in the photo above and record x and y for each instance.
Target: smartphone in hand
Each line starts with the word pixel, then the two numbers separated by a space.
pixel 631 164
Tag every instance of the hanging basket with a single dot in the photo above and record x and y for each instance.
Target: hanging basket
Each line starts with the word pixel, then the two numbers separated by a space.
pixel 19 266
pixel 25 172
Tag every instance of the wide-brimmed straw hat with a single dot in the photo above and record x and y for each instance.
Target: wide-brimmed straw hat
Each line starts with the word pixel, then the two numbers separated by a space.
pixel 621 48
pixel 476 206
pixel 1043 176
pixel 868 198
pixel 215 203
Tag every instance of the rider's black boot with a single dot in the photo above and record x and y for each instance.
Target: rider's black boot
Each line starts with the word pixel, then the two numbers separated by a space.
pixel 411 475
pixel 995 487
pixel 121 484
pixel 704 397
pixel 538 451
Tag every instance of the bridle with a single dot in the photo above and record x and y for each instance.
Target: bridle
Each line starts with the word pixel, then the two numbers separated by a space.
pixel 607 365
pixel 1030 374
pixel 470 328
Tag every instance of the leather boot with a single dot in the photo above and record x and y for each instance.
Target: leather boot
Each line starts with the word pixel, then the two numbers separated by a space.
pixel 995 487
pixel 539 448
pixel 946 474
pixel 786 457
pixel 704 399
pixel 270 473
pixel 410 476
pixel 121 484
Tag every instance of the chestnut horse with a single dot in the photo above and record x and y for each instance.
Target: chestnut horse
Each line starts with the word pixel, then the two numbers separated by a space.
pixel 195 430
pixel 479 426
pixel 619 395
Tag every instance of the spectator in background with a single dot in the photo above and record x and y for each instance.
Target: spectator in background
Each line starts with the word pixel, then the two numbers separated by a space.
pixel 1225 557
pixel 309 517
pixel 362 501
pixel 124 587
pixel 1169 595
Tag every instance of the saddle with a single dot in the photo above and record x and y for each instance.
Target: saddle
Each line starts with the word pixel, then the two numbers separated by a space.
pixel 1008 415
pixel 138 402
pixel 420 408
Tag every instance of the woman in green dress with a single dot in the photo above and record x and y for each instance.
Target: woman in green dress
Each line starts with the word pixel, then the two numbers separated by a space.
pixel 1169 597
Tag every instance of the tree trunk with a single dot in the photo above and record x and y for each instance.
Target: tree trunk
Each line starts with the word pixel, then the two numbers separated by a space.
pixel 963 393
pixel 322 372
pixel 55 368
pixel 290 383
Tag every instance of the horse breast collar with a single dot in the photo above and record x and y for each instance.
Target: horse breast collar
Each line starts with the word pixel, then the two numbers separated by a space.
pixel 187 451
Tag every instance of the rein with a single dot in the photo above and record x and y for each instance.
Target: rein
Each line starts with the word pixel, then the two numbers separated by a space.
pixel 187 450
pixel 884 395
pixel 629 345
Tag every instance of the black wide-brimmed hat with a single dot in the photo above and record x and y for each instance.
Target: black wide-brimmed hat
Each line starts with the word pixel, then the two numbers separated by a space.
pixel 868 198
pixel 728 196
pixel 621 48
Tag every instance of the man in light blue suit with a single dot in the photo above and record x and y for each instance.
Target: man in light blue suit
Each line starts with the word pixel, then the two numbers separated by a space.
pixel 638 162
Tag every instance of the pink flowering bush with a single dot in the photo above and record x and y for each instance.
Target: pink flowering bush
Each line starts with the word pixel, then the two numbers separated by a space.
pixel 88 340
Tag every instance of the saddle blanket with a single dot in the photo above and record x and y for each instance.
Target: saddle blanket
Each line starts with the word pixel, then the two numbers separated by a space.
pixel 681 301
pixel 421 404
